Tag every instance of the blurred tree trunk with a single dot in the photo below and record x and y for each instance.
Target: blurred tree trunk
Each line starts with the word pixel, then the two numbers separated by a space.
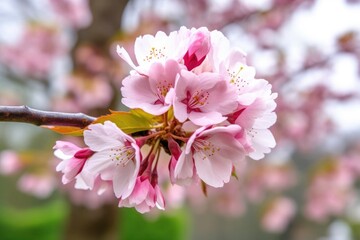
pixel 101 223
pixel 93 224
pixel 107 16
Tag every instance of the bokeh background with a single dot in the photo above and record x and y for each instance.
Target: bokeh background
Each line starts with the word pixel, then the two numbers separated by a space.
pixel 60 55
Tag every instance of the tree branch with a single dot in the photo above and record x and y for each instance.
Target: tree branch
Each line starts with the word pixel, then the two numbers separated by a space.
pixel 26 114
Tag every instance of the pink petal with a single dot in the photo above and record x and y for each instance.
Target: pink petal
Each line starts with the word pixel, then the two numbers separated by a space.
pixel 206 118
pixel 137 92
pixel 214 171
pixel 140 192
pixel 143 208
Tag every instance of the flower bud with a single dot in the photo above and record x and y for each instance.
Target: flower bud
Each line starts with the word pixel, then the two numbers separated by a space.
pixel 199 47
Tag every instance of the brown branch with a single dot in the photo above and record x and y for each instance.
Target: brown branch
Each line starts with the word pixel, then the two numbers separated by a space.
pixel 26 114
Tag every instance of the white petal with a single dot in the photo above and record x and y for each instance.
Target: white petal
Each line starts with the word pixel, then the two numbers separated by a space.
pixel 180 111
pixel 184 167
pixel 160 203
pixel 124 179
pixel 85 180
pixel 266 121
pixel 99 162
pixel 265 138
pixel 125 56
pixel 104 136
pixel 61 166
pixel 60 154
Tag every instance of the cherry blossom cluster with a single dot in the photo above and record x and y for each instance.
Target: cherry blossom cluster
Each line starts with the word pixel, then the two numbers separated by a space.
pixel 210 113
pixel 36 61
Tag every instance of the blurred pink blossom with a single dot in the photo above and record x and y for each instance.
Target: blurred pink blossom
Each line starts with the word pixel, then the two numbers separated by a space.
pixel 229 200
pixel 175 196
pixel 265 177
pixel 91 60
pixel 75 13
pixel 9 162
pixel 330 190
pixel 35 52
pixel 40 186
pixel 278 213
pixel 100 194
pixel 89 91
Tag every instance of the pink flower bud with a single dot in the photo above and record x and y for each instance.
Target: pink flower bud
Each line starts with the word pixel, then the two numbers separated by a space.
pixel 84 153
pixel 145 196
pixel 73 159
pixel 198 49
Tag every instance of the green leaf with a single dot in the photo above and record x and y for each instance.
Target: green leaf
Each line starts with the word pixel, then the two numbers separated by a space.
pixel 130 122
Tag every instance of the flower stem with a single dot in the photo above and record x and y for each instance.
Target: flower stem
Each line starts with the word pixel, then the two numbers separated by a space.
pixel 165 119
pixel 184 139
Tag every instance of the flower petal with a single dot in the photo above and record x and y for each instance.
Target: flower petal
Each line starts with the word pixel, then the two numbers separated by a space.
pixel 104 136
pixel 124 179
pixel 184 168
pixel 213 171
pixel 65 150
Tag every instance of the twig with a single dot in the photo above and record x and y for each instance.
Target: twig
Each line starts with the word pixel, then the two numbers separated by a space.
pixel 26 114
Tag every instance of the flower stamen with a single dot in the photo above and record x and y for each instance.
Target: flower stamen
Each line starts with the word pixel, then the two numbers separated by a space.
pixel 122 155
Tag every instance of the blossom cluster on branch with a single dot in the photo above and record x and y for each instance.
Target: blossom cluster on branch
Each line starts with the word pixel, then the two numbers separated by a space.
pixel 197 100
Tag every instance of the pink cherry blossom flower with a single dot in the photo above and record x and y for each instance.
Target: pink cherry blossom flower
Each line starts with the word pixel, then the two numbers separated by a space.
pixel 214 113
pixel 255 119
pixel 149 49
pixel 210 153
pixel 144 197
pixel 151 93
pixel 242 77
pixel 219 50
pixel 73 159
pixel 117 156
pixel 204 99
